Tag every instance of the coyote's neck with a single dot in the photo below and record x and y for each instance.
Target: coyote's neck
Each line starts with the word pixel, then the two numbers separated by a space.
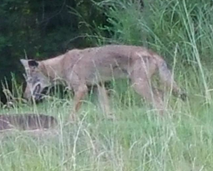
pixel 52 68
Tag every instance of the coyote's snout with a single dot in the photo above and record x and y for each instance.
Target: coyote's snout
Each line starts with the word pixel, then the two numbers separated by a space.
pixel 81 68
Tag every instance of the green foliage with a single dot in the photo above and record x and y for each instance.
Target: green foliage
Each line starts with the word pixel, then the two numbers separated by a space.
pixel 124 22
pixel 163 25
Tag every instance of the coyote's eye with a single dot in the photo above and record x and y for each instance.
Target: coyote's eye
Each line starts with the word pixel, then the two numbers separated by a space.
pixel 32 80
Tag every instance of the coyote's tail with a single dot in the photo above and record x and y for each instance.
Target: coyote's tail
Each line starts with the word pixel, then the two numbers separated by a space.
pixel 167 79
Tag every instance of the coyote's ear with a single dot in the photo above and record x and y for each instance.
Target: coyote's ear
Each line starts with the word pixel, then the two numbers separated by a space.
pixel 24 62
pixel 29 63
pixel 32 63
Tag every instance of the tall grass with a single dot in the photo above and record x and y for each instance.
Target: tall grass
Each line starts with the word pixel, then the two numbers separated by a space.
pixel 181 31
pixel 138 139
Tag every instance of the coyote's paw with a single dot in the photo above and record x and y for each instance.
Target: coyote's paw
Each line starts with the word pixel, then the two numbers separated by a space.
pixel 183 96
pixel 73 117
pixel 111 116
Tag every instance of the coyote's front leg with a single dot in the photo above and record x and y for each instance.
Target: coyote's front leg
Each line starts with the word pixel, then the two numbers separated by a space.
pixel 104 101
pixel 79 93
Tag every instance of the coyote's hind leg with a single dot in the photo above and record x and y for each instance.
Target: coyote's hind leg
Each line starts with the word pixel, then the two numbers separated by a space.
pixel 104 101
pixel 142 85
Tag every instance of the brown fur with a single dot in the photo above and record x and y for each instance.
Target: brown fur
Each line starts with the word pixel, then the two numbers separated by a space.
pixel 27 121
pixel 90 66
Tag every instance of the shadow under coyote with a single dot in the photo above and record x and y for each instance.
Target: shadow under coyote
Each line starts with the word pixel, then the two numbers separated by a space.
pixel 27 121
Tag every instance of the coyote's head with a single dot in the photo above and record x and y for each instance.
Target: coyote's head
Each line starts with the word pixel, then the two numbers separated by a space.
pixel 36 81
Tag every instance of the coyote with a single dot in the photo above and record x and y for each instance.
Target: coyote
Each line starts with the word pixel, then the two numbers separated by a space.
pixel 80 68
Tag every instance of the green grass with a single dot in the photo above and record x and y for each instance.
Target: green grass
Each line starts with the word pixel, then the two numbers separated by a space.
pixel 139 139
